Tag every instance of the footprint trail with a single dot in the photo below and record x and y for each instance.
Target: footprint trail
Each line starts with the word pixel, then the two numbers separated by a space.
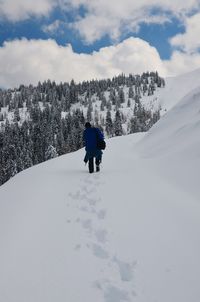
pixel 116 283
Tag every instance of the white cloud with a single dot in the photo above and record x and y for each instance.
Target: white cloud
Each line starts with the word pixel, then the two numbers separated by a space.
pixel 24 61
pixel 189 41
pixel 52 28
pixel 28 61
pixel 181 63
pixel 113 26
pixel 17 10
pixel 112 18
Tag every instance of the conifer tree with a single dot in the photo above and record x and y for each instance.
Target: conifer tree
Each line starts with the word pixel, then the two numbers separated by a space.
pixel 109 124
pixel 112 96
pixel 121 96
pixel 89 112
pixel 50 152
pixel 117 125
pixel 131 92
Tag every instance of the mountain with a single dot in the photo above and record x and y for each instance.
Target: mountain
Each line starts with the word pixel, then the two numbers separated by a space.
pixel 128 233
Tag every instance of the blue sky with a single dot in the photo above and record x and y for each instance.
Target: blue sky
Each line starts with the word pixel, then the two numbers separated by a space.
pixel 157 35
pixel 104 38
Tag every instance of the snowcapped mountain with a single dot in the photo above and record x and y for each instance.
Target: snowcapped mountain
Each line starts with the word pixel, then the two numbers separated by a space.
pixel 128 233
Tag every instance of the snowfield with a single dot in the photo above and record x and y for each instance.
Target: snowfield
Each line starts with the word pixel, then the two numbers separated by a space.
pixel 176 88
pixel 128 233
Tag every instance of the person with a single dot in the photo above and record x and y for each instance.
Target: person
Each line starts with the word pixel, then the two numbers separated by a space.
pixel 90 136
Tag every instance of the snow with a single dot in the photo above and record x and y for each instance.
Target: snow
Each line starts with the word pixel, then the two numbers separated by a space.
pixel 178 87
pixel 128 233
pixel 175 139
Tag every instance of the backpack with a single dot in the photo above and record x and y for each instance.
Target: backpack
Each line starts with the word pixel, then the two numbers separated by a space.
pixel 101 144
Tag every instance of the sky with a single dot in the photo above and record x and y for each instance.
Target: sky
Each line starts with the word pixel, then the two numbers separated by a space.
pixel 82 40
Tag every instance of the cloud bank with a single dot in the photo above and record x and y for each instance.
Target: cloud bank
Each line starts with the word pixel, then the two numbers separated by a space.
pixel 28 61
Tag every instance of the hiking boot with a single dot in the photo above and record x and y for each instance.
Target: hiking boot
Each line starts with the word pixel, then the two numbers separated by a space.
pixel 97 168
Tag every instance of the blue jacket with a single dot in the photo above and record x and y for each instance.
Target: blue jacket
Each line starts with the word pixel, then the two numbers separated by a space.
pixel 90 141
pixel 90 138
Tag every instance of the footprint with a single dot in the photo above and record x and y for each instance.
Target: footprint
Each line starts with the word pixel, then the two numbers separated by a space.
pixel 99 252
pixel 88 191
pixel 101 214
pixel 125 269
pixel 101 235
pixel 92 201
pixel 87 224
pixel 84 209
pixel 114 294
pixel 77 195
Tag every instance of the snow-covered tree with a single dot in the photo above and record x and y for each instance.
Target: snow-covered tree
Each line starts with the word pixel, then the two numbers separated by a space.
pixel 50 152
pixel 117 125
pixel 109 124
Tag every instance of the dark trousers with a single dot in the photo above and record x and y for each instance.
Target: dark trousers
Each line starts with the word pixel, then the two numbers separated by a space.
pixel 91 164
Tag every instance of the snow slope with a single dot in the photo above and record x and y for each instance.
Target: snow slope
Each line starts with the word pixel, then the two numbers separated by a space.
pixel 176 88
pixel 175 140
pixel 128 233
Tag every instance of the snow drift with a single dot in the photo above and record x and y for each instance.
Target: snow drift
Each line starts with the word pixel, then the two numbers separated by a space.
pixel 175 142
pixel 177 88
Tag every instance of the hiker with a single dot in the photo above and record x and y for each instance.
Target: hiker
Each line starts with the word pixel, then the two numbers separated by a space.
pixel 91 136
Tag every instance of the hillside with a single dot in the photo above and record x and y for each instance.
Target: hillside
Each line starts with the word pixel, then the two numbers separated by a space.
pixel 175 138
pixel 42 122
pixel 128 233
pixel 178 87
